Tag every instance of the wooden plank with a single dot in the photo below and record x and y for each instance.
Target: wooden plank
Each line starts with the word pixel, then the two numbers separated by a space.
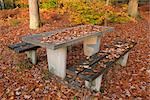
pixel 90 76
pixel 25 48
pixel 22 47
pixel 86 63
pixel 93 59
pixel 17 45
pixel 75 69
pixel 70 77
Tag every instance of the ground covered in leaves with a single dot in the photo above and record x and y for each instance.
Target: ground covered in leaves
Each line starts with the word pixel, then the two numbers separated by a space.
pixel 19 79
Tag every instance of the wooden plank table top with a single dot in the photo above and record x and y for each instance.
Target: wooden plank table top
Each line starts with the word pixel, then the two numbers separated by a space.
pixel 36 39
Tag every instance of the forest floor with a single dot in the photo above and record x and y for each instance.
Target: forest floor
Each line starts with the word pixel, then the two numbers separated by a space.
pixel 19 79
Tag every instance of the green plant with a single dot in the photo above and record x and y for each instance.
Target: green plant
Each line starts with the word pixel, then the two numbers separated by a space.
pixel 102 89
pixel 92 12
pixel 75 98
pixel 120 17
pixel 22 3
pixel 24 65
pixel 1 57
pixel 8 4
pixel 15 22
pixel 46 74
pixel 88 12
pixel 49 4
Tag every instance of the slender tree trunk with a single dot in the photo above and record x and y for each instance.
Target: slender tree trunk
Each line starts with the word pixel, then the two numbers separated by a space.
pixel 105 21
pixel 133 8
pixel 107 2
pixel 13 4
pixel 34 14
pixel 2 4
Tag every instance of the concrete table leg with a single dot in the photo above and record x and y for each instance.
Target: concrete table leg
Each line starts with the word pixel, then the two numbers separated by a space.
pixel 123 60
pixel 57 61
pixel 95 84
pixel 91 45
pixel 32 56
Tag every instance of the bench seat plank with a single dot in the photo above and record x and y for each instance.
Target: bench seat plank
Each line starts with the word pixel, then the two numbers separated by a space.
pixel 86 63
pixel 17 45
pixel 93 59
pixel 22 47
pixel 90 75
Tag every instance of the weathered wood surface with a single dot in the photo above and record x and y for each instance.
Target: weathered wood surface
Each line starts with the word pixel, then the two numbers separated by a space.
pixel 22 47
pixel 36 38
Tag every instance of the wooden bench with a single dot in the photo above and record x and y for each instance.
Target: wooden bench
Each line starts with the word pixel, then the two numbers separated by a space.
pixel 28 48
pixel 89 73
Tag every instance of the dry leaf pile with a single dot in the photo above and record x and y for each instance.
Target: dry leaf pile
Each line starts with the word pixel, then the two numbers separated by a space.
pixel 22 80
pixel 73 33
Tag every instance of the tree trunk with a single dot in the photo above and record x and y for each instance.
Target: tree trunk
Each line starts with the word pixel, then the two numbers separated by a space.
pixel 2 4
pixel 133 8
pixel 105 21
pixel 107 2
pixel 34 14
pixel 13 4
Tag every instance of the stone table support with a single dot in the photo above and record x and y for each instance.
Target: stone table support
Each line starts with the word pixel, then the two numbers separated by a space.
pixel 95 84
pixel 91 45
pixel 32 55
pixel 123 60
pixel 57 61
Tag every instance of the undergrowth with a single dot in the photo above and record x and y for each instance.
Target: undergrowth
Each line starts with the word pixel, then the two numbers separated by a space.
pixel 49 4
pixel 46 74
pixel 86 11
pixel 24 65
pixel 14 22
pixel 92 12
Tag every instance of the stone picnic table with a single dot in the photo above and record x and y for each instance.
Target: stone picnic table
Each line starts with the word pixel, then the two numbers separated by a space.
pixel 56 43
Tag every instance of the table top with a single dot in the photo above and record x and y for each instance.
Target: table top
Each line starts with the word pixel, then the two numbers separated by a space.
pixel 67 36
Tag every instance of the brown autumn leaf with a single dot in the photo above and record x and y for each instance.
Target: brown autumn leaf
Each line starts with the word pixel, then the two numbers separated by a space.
pixel 135 75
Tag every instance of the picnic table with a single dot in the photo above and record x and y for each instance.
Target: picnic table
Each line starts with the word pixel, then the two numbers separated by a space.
pixel 56 43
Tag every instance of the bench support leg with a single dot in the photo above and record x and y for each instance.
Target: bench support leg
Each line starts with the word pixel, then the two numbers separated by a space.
pixel 123 60
pixel 91 45
pixel 57 61
pixel 95 84
pixel 32 56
